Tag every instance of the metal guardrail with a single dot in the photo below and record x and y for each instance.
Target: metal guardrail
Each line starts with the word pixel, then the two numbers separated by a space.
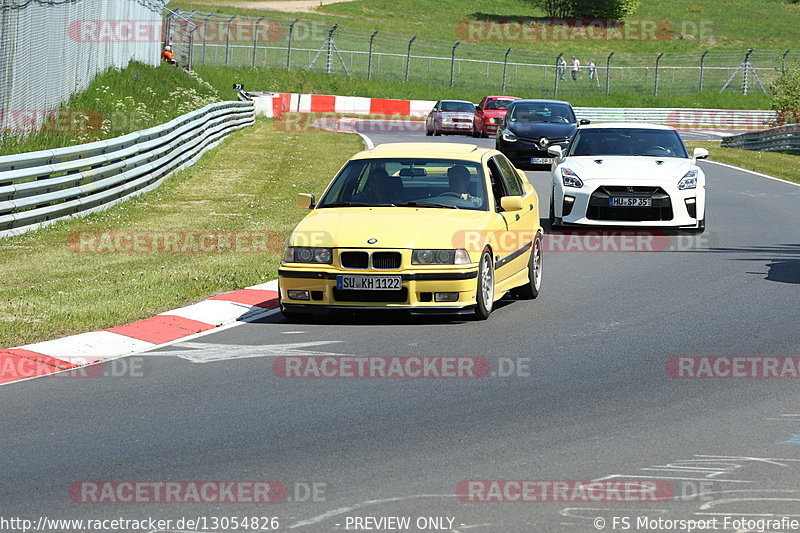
pixel 780 139
pixel 38 188
pixel 705 118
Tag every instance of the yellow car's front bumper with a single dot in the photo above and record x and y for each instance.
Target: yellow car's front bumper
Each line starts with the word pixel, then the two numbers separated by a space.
pixel 417 293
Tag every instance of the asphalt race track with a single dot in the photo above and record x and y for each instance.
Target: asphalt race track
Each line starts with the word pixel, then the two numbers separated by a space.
pixel 589 396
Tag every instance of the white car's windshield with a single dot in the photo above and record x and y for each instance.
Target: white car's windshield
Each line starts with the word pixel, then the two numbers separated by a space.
pixel 407 182
pixel 627 142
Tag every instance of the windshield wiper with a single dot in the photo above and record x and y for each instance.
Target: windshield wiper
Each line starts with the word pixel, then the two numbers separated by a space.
pixel 426 204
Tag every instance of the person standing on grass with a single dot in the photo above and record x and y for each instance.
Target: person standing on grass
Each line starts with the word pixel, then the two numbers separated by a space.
pixel 592 69
pixel 561 69
pixel 576 66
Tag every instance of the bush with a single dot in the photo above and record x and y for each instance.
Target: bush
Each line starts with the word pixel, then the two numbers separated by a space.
pixel 599 9
pixel 786 95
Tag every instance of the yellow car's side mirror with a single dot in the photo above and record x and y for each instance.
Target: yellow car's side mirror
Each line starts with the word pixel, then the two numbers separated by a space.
pixel 511 203
pixel 305 201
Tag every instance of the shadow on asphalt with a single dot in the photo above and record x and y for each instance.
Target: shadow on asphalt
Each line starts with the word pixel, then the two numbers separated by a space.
pixel 378 318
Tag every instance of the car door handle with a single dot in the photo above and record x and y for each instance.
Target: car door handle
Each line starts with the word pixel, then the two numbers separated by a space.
pixel 517 217
pixel 531 207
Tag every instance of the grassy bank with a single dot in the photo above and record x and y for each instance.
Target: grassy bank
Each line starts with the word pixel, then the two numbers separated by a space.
pixel 692 25
pixel 779 165
pixel 303 81
pixel 117 102
pixel 247 184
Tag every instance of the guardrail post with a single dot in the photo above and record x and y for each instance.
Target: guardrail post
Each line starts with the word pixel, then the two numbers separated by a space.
pixel 783 60
pixel 505 66
pixel 453 63
pixel 289 45
pixel 658 60
pixel 702 68
pixel 255 40
pixel 205 33
pixel 408 55
pixel 608 72
pixel 228 39
pixel 559 73
pixel 369 61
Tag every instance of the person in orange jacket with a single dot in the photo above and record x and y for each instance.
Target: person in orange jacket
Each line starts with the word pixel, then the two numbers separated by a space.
pixel 168 55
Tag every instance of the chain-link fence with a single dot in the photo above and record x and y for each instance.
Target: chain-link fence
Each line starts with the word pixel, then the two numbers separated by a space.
pixel 51 48
pixel 299 44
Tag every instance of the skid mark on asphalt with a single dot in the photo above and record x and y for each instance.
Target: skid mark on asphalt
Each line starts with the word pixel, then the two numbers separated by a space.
pixel 201 352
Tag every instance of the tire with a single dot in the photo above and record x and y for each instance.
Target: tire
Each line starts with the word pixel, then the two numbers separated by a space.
pixel 476 134
pixel 554 222
pixel 437 133
pixel 428 132
pixel 701 227
pixel 484 295
pixel 531 290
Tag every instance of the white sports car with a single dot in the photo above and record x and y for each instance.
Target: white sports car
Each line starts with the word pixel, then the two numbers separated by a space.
pixel 628 175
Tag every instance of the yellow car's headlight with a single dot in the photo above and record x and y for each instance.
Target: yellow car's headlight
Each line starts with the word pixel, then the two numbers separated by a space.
pixel 440 257
pixel 306 254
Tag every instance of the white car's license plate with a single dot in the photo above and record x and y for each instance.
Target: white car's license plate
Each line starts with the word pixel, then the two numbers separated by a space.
pixel 624 201
pixel 371 283
pixel 541 160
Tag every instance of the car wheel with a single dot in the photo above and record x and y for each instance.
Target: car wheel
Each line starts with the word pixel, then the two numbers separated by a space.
pixel 428 132
pixel 485 135
pixel 437 132
pixel 476 134
pixel 484 297
pixel 530 290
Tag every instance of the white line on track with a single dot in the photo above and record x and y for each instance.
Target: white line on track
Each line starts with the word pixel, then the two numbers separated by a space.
pixel 773 178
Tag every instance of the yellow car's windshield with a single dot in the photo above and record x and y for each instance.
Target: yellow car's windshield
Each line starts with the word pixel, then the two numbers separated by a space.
pixel 408 182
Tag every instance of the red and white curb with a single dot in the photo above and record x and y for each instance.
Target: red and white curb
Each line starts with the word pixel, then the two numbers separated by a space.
pixel 223 310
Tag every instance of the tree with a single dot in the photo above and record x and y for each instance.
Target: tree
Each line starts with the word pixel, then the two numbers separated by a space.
pixel 786 95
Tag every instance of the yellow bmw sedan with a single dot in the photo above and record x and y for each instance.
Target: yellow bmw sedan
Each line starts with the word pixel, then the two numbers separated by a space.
pixel 422 227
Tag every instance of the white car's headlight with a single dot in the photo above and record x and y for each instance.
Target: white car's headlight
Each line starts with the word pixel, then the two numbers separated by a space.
pixel 306 254
pixel 509 137
pixel 570 179
pixel 689 180
pixel 440 257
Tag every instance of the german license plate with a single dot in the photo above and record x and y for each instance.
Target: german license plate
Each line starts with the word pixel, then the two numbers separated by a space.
pixel 624 201
pixel 541 160
pixel 370 283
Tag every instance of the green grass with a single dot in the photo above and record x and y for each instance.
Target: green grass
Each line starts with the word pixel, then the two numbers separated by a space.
pixel 704 24
pixel 303 81
pixel 117 102
pixel 249 183
pixel 779 165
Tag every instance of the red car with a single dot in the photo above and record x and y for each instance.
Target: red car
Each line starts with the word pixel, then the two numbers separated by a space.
pixel 488 111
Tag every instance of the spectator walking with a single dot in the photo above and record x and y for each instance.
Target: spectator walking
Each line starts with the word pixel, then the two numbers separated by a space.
pixel 561 69
pixel 576 66
pixel 592 69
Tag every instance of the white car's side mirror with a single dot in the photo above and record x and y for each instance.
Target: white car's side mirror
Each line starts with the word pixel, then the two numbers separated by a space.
pixel 700 153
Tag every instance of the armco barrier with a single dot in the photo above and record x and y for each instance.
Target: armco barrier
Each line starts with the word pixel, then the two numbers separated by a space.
pixel 37 188
pixel 780 139
pixel 716 119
